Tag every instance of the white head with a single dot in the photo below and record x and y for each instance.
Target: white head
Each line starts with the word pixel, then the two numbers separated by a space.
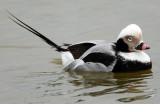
pixel 130 39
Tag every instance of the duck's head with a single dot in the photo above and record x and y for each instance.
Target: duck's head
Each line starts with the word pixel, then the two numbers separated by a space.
pixel 130 39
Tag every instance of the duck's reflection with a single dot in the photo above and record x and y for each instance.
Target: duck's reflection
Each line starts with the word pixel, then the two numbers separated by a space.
pixel 114 83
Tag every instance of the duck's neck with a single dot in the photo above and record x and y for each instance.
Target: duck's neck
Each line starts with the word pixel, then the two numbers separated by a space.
pixel 121 46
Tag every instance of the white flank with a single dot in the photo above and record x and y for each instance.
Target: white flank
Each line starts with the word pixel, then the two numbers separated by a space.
pixel 67 58
pixel 77 62
pixel 136 56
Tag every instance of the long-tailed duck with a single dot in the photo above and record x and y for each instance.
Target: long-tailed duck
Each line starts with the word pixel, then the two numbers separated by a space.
pixel 126 54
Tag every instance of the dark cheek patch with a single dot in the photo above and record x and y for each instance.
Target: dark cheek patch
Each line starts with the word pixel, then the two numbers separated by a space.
pixel 122 46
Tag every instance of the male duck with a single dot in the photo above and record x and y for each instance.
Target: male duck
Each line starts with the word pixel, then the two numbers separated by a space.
pixel 102 56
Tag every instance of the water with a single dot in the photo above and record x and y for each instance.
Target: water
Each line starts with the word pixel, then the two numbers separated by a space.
pixel 31 72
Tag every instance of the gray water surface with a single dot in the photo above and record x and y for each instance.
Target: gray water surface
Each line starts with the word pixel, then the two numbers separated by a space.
pixel 31 71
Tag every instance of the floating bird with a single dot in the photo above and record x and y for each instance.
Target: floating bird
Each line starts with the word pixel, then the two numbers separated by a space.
pixel 126 54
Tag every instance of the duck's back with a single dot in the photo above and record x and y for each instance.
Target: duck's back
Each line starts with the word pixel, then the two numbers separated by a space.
pixel 79 49
pixel 100 57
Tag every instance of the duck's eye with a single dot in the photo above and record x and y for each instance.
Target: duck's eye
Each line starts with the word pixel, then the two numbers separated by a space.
pixel 130 39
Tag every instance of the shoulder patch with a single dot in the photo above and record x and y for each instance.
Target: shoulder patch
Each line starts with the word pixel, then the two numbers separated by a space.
pixel 78 49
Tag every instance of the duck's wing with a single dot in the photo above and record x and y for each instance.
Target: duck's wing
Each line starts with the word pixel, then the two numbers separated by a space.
pixel 95 62
pixel 100 57
pixel 102 53
pixel 79 49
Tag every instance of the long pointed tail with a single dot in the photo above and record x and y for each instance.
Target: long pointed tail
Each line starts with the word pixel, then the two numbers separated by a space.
pixel 45 39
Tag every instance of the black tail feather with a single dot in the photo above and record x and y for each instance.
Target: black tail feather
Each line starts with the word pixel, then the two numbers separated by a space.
pixel 45 39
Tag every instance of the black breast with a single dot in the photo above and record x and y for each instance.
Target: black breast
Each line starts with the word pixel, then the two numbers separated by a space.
pixel 123 65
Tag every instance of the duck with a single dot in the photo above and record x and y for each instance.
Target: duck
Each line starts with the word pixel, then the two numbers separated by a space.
pixel 124 55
